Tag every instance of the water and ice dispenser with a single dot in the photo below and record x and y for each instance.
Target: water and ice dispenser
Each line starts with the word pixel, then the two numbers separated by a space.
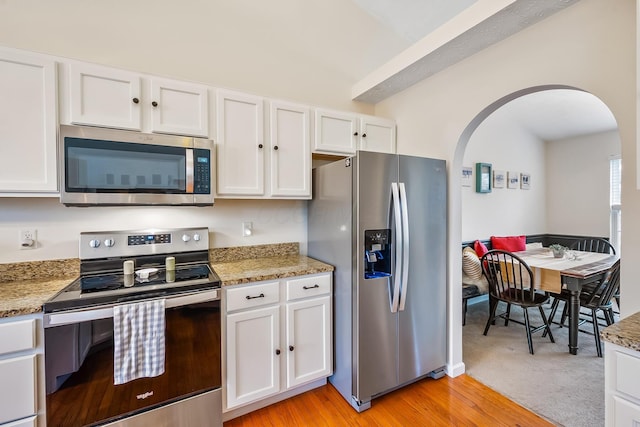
pixel 377 253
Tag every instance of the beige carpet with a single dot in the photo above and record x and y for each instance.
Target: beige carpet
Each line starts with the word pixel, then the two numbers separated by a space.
pixel 567 390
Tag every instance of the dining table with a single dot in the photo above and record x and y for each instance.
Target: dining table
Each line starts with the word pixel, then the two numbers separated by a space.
pixel 572 271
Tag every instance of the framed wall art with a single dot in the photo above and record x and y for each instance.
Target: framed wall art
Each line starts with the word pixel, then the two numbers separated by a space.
pixel 499 178
pixel 513 179
pixel 467 174
pixel 483 177
pixel 525 180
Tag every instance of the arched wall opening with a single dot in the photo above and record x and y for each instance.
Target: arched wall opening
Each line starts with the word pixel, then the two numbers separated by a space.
pixel 457 232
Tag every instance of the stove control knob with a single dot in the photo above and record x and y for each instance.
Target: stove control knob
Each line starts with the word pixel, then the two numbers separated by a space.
pixel 186 237
pixel 109 242
pixel 196 237
pixel 94 243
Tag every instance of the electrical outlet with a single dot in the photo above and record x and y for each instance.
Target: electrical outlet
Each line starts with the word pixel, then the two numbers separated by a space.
pixel 247 228
pixel 28 238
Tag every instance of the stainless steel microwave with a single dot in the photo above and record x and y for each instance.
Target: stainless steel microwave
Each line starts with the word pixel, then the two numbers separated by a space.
pixel 116 167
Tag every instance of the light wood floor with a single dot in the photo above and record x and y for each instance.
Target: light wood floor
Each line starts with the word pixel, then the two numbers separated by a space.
pixel 460 401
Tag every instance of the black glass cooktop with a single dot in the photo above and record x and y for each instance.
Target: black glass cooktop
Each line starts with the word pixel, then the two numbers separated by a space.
pixel 112 288
pixel 99 283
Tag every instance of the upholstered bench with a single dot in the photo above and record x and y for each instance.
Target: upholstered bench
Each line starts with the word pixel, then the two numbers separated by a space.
pixel 474 284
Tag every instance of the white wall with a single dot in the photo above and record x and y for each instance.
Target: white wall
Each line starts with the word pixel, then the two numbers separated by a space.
pixel 590 45
pixel 59 227
pixel 578 184
pixel 504 211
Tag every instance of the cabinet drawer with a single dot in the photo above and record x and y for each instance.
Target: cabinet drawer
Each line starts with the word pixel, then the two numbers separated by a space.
pixel 253 296
pixel 18 388
pixel 308 287
pixel 628 374
pixel 17 336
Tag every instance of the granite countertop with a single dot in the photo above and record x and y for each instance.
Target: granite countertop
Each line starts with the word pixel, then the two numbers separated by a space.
pixel 625 333
pixel 25 286
pixel 22 297
pixel 268 268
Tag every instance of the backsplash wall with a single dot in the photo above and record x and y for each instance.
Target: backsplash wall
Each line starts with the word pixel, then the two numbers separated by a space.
pixel 58 227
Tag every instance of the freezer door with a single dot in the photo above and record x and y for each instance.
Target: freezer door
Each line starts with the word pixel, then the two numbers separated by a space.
pixel 376 333
pixel 422 323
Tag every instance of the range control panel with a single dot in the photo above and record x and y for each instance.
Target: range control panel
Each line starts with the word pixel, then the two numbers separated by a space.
pixel 149 239
pixel 105 244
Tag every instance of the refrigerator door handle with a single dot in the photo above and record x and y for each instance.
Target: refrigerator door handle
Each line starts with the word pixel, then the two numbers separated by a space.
pixel 405 245
pixel 395 201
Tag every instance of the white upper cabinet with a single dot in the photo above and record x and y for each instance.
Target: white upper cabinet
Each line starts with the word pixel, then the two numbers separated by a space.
pixel 179 108
pixel 28 107
pixel 336 132
pixel 240 144
pixel 290 159
pixel 343 133
pixel 377 134
pixel 101 96
pixel 108 97
pixel 255 161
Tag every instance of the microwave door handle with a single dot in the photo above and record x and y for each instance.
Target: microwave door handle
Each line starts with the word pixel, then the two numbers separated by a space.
pixel 189 170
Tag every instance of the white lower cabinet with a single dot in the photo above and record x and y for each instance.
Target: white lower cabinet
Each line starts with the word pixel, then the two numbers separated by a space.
pixel 622 386
pixel 20 360
pixel 278 337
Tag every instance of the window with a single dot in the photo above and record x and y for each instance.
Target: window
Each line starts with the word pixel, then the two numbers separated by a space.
pixel 615 185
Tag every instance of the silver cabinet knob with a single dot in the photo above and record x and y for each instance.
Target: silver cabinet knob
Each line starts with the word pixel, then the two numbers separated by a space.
pixel 94 243
pixel 196 237
pixel 109 243
pixel 186 237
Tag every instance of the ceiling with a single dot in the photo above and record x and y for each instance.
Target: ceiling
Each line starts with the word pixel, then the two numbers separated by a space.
pixel 550 115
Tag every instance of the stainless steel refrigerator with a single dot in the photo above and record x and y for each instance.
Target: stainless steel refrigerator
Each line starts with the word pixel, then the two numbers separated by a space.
pixel 380 219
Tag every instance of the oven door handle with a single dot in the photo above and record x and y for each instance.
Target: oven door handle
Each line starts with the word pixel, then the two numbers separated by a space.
pixel 106 311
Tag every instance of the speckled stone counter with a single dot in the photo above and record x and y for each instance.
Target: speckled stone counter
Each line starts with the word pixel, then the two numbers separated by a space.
pixel 25 286
pixel 625 333
pixel 245 264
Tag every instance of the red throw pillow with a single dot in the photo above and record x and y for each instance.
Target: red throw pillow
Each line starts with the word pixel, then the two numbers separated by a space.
pixel 509 243
pixel 480 248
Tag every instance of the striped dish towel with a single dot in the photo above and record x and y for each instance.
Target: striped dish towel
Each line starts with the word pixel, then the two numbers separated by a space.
pixel 138 340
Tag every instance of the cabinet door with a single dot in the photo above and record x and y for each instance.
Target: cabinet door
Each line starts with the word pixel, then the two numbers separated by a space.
pixel 17 388
pixel 178 108
pixel 253 362
pixel 290 165
pixel 336 132
pixel 240 144
pixel 102 96
pixel 28 125
pixel 377 134
pixel 308 340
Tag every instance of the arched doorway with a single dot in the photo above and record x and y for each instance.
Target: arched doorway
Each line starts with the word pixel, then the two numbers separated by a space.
pixel 505 212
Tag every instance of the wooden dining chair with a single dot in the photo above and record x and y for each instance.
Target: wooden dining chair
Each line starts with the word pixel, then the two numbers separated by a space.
pixel 601 246
pixel 598 298
pixel 511 281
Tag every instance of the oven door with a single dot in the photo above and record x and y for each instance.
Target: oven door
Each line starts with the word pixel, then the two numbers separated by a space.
pixel 79 361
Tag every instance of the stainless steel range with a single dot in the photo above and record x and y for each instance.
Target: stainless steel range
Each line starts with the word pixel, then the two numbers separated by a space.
pixel 97 326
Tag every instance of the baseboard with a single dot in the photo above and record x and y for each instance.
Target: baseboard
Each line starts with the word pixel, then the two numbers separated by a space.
pixel 456 370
